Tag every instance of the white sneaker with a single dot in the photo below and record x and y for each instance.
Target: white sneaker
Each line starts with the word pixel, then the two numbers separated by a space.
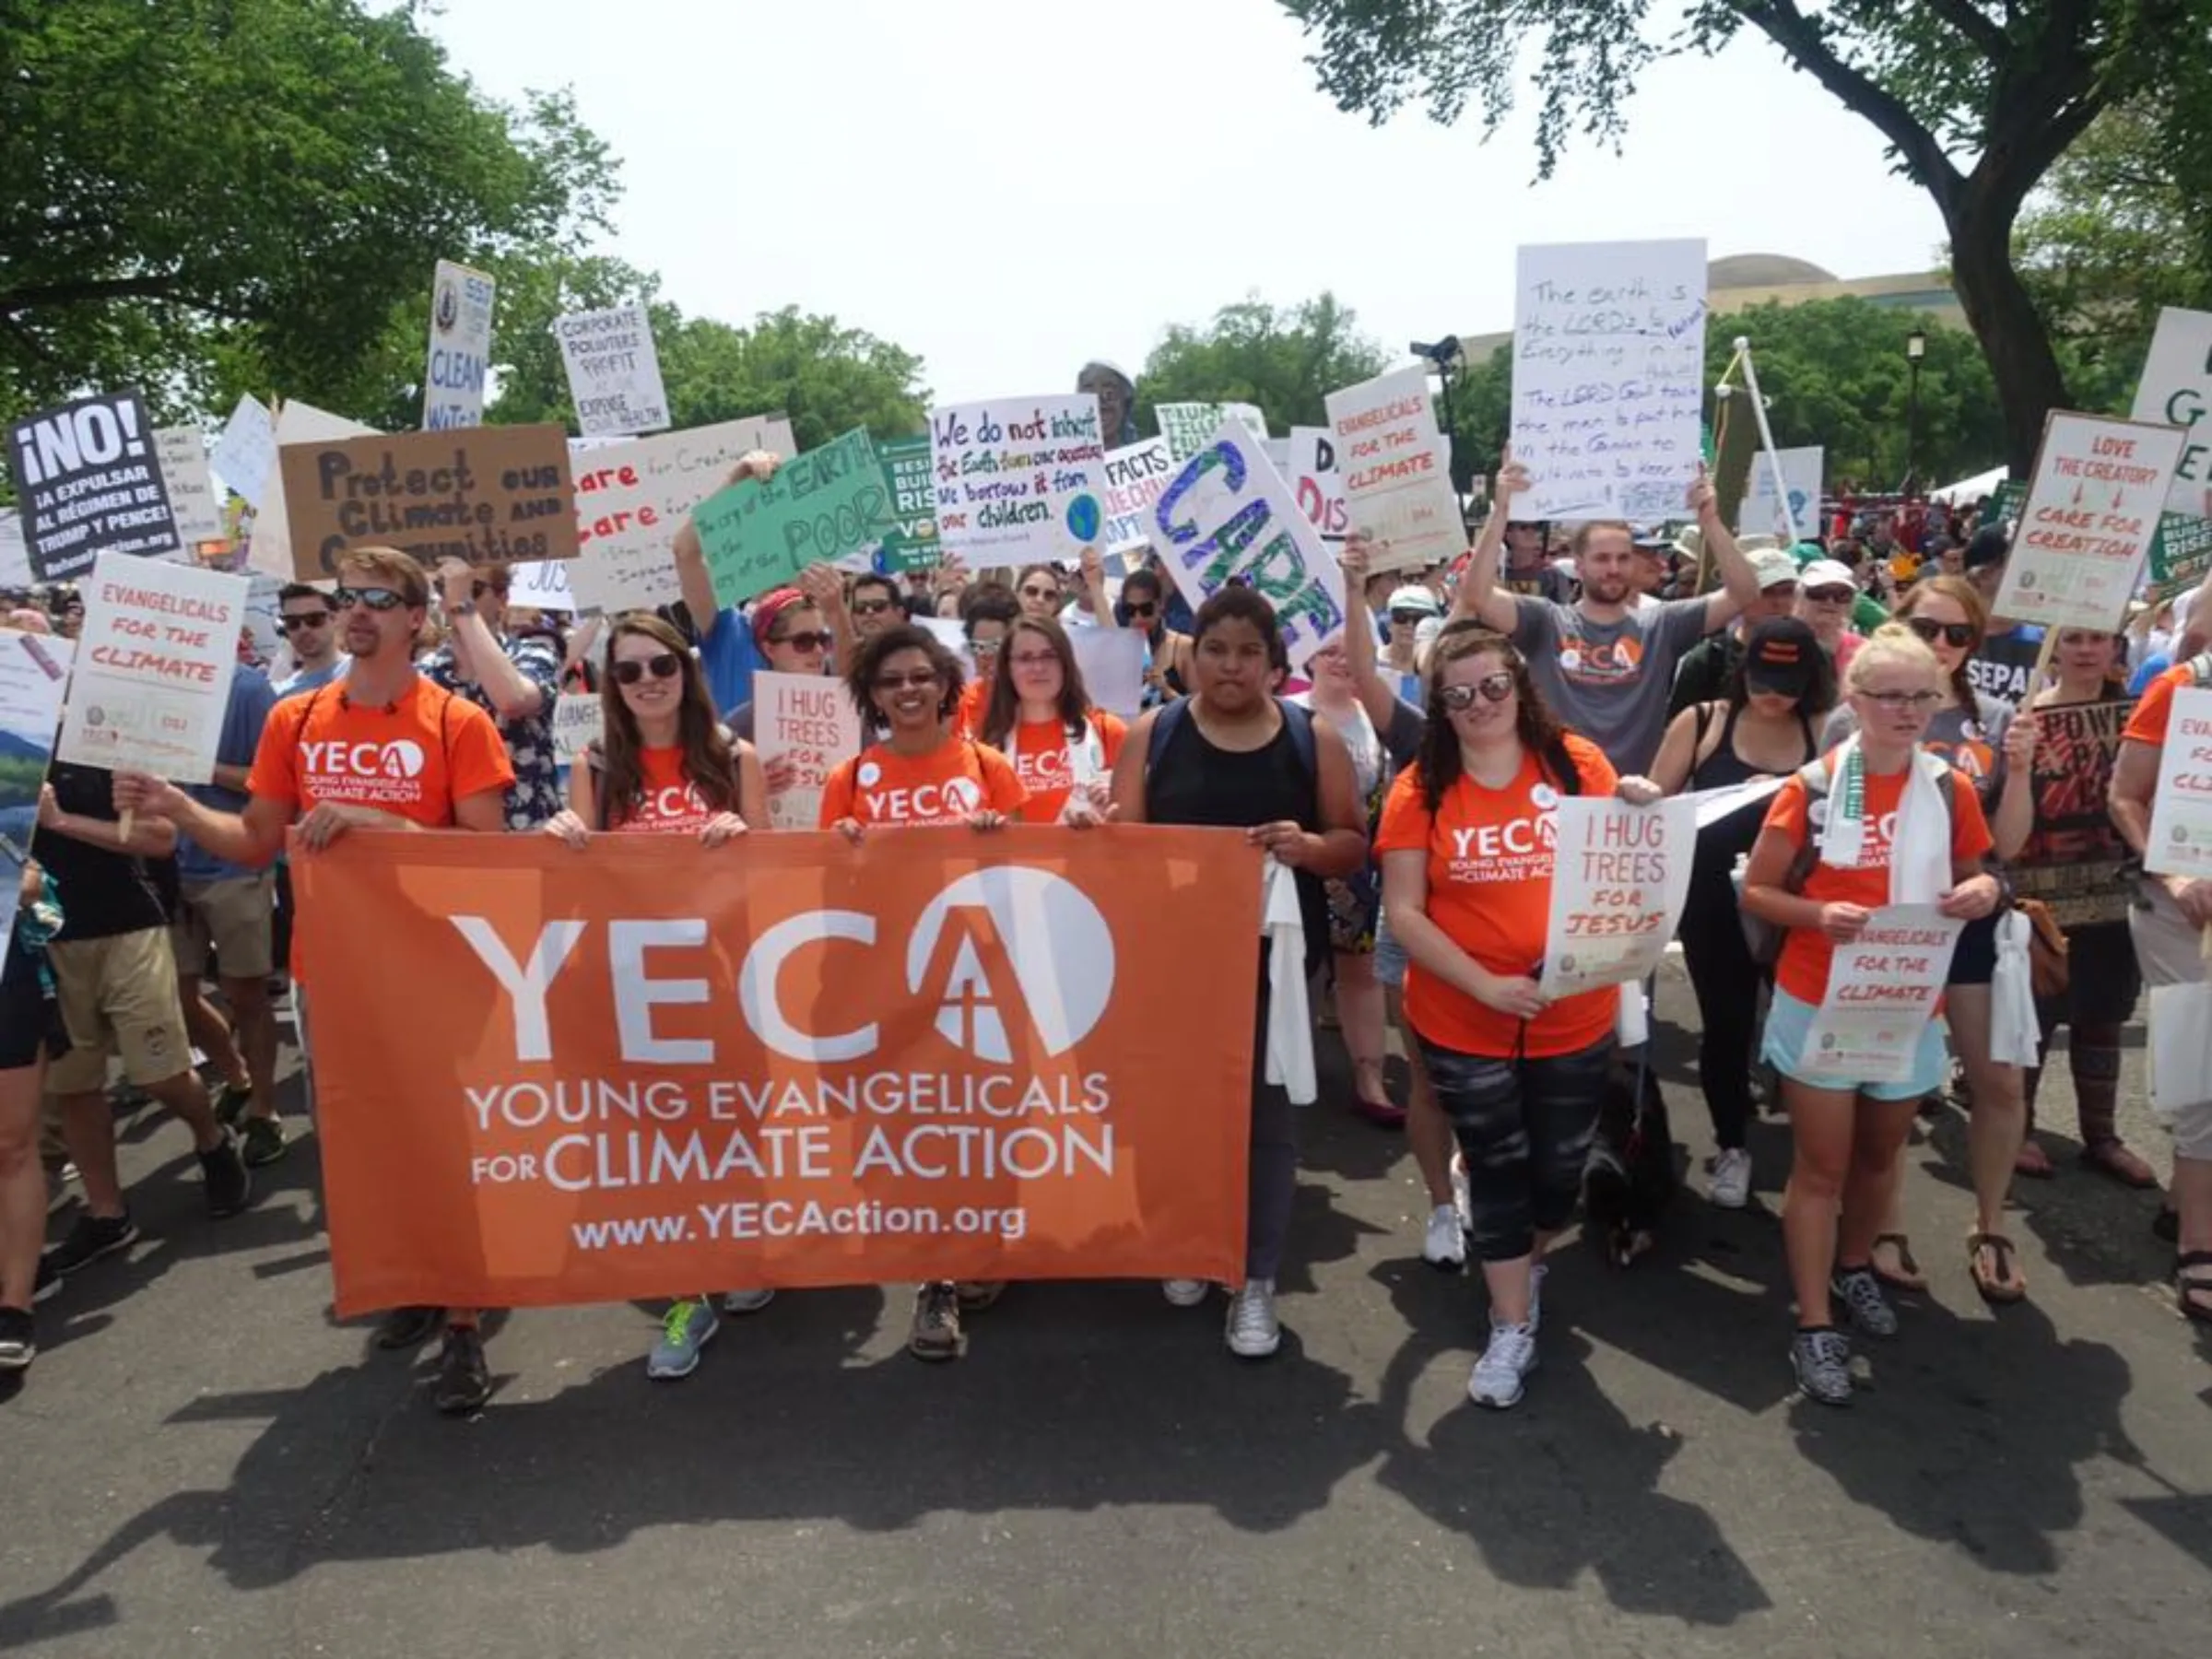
pixel 746 1301
pixel 1732 1178
pixel 1496 1382
pixel 1444 1245
pixel 1183 1293
pixel 1253 1331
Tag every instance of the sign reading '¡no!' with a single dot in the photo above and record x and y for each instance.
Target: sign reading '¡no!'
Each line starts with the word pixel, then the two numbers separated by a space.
pixel 484 495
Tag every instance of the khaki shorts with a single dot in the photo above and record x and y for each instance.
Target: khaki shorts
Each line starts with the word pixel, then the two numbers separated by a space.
pixel 236 916
pixel 118 996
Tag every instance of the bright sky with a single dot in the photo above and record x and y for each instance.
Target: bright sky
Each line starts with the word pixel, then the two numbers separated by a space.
pixel 1011 187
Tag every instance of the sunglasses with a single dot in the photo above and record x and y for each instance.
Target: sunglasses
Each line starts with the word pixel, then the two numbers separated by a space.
pixel 1959 634
pixel 1147 608
pixel 1039 593
pixel 1409 617
pixel 1899 703
pixel 289 624
pixel 629 671
pixel 376 599
pixel 804 640
pixel 899 682
pixel 1493 688
pixel 1829 596
pixel 870 607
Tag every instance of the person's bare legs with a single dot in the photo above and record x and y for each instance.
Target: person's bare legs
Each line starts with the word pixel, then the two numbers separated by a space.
pixel 22 1183
pixel 256 1019
pixel 1822 1125
pixel 1878 1133
pixel 89 1127
pixel 2193 1197
pixel 211 1034
pixel 1359 1012
pixel 1998 1119
pixel 1428 1130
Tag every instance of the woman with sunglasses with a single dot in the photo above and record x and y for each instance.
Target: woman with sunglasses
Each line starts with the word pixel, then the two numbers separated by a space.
pixel 1144 605
pixel 1827 595
pixel 987 611
pixel 1039 590
pixel 1039 716
pixel 1409 608
pixel 1882 833
pixel 2060 754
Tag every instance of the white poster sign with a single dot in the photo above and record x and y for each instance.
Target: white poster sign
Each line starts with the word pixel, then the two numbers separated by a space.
pixel 1608 377
pixel 578 719
pixel 154 669
pixel 1134 477
pixel 2176 390
pixel 1620 879
pixel 1396 472
pixel 184 452
pixel 614 372
pixel 262 608
pixel 2180 842
pixel 1803 474
pixel 269 548
pixel 15 553
pixel 804 726
pixel 245 452
pixel 1112 661
pixel 2092 511
pixel 1188 427
pixel 1019 479
pixel 541 584
pixel 1314 480
pixel 34 671
pixel 460 349
pixel 1882 988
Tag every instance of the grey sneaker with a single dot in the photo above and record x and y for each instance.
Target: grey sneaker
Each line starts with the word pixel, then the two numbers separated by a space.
pixel 689 1326
pixel 1253 1330
pixel 936 1333
pixel 1732 1179
pixel 1504 1365
pixel 1861 1294
pixel 1822 1361
pixel 746 1301
pixel 1444 1244
pixel 1183 1293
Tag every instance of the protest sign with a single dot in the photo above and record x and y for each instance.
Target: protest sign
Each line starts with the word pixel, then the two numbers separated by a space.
pixel 1136 476
pixel 2075 861
pixel 1396 472
pixel 192 498
pixel 930 1056
pixel 2180 554
pixel 1882 988
pixel 154 667
pixel 1112 661
pixel 2180 842
pixel 1620 876
pixel 264 606
pixel 245 451
pixel 1803 472
pixel 15 553
pixel 34 671
pixel 88 481
pixel 633 496
pixel 1315 482
pixel 2176 390
pixel 1019 479
pixel 1226 515
pixel 912 542
pixel 1188 427
pixel 460 349
pixel 614 372
pixel 578 718
pixel 270 546
pixel 2093 506
pixel 1608 377
pixel 807 723
pixel 542 584
pixel 820 507
pixel 484 495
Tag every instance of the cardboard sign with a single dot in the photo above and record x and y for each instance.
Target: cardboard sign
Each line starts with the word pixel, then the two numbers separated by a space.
pixel 632 497
pixel 1608 377
pixel 1621 879
pixel 2093 506
pixel 199 512
pixel 88 481
pixel 2176 390
pixel 1397 470
pixel 154 667
pixel 1228 516
pixel 1882 988
pixel 487 495
pixel 1314 480
pixel 1189 427
pixel 542 584
pixel 34 672
pixel 245 451
pixel 2179 842
pixel 270 546
pixel 820 507
pixel 1803 472
pixel 460 349
pixel 1135 476
pixel 911 543
pixel 807 723
pixel 579 717
pixel 613 373
pixel 1019 480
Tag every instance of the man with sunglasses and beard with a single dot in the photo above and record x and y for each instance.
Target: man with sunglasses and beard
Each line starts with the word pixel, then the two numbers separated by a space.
pixel 514 678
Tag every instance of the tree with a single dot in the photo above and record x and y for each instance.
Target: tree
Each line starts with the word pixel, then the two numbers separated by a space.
pixel 1286 361
pixel 2010 83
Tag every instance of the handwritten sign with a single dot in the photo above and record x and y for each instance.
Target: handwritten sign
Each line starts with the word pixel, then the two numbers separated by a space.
pixel 1396 471
pixel 1620 877
pixel 1882 988
pixel 184 452
pixel 614 372
pixel 1608 377
pixel 1019 479
pixel 820 507
pixel 154 667
pixel 1136 476
pixel 542 584
pixel 34 670
pixel 88 481
pixel 460 349
pixel 579 718
pixel 270 548
pixel 2180 842
pixel 1228 516
pixel 632 497
pixel 807 723
pixel 245 451
pixel 2176 390
pixel 2093 506
pixel 912 542
pixel 1314 480
pixel 1189 427
pixel 1765 514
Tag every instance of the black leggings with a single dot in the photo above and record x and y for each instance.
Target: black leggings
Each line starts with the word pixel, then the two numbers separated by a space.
pixel 1727 983
pixel 1523 1127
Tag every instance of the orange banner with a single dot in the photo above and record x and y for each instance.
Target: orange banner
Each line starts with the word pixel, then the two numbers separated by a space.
pixel 649 1070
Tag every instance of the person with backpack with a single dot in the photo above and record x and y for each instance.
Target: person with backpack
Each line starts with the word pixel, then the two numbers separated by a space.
pixel 1039 716
pixel 1467 849
pixel 1235 756
pixel 1875 822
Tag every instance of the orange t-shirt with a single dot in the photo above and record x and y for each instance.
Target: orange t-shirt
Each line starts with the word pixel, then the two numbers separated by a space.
pixel 1048 764
pixel 414 760
pixel 975 697
pixel 956 779
pixel 1807 951
pixel 671 803
pixel 2155 711
pixel 1489 889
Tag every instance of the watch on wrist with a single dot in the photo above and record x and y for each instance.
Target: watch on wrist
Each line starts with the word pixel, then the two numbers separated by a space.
pixel 467 607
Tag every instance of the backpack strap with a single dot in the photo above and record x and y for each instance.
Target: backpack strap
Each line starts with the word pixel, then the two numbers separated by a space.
pixel 1298 720
pixel 1164 726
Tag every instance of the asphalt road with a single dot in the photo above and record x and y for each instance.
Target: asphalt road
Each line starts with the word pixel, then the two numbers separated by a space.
pixel 202 1462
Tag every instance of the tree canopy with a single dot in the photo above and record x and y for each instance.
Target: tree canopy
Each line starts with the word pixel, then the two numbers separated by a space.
pixel 1284 361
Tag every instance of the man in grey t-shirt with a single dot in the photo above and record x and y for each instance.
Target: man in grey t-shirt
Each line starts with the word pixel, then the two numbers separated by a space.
pixel 1603 666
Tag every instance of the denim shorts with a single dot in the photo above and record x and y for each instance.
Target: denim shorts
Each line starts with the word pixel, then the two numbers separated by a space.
pixel 1790 1021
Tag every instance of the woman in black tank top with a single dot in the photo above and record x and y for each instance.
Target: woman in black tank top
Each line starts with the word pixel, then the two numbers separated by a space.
pixel 1232 756
pixel 1767 727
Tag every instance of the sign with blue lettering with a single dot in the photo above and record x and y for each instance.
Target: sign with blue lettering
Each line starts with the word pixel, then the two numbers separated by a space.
pixel 452 382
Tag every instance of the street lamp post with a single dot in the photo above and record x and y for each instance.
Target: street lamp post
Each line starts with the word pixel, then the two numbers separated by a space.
pixel 1916 347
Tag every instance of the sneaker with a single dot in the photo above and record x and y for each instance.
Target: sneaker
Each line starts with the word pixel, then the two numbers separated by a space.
pixel 46 1284
pixel 1462 1199
pixel 1504 1365
pixel 1253 1331
pixel 936 1333
pixel 1183 1293
pixel 91 1238
pixel 746 1301
pixel 223 1176
pixel 19 1338
pixel 1861 1294
pixel 464 1380
pixel 61 1186
pixel 409 1327
pixel 230 1102
pixel 263 1141
pixel 1444 1245
pixel 1732 1178
pixel 978 1294
pixel 689 1326
pixel 1822 1360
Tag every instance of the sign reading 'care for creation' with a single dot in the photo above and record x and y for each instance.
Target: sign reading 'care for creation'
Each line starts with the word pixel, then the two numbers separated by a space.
pixel 820 507
pixel 2093 507
pixel 632 498
pixel 1019 480
pixel 154 667
pixel 89 482
pixel 488 495
pixel 932 1056
pixel 614 372
pixel 1396 472
pixel 460 348
pixel 2176 390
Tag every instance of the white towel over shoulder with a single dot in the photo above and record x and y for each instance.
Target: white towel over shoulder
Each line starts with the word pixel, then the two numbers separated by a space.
pixel 1289 1059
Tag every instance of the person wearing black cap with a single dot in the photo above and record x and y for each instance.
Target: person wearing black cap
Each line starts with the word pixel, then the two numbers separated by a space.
pixel 1767 726
pixel 2006 661
pixel 1528 566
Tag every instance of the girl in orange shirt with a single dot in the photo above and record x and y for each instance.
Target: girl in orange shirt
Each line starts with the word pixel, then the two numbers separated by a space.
pixel 1040 717
pixel 907 687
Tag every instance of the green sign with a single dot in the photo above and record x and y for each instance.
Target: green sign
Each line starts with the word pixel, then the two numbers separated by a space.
pixel 911 544
pixel 824 505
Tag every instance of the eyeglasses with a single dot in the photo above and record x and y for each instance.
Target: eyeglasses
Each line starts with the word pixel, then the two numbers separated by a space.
pixel 1147 608
pixel 1493 688
pixel 870 607
pixel 629 671
pixel 1409 617
pixel 984 648
pixel 1034 659
pixel 1829 596
pixel 804 641
pixel 304 619
pixel 1900 702
pixel 376 599
pixel 1961 634
pixel 901 682
pixel 1039 593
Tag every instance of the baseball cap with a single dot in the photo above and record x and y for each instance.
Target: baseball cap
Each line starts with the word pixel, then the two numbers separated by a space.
pixel 1773 567
pixel 1781 655
pixel 1415 599
pixel 1826 572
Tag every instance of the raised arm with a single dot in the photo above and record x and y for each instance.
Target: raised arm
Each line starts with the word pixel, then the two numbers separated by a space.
pixel 1740 581
pixel 1479 595
pixel 691 575
pixel 1375 695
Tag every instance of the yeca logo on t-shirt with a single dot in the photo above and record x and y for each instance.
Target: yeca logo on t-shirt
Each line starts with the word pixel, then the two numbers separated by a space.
pixel 953 799
pixel 401 758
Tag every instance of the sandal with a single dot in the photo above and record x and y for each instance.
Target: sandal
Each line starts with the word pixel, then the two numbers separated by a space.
pixel 1908 1276
pixel 2113 1158
pixel 2188 1286
pixel 2033 1162
pixel 2005 1284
